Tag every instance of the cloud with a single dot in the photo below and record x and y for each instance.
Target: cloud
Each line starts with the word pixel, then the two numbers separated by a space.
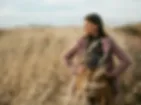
pixel 7 11
pixel 60 2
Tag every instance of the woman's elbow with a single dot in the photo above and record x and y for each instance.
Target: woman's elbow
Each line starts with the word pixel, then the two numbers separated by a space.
pixel 128 62
pixel 67 60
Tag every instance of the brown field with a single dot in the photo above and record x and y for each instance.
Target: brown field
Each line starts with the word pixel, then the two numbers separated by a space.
pixel 31 68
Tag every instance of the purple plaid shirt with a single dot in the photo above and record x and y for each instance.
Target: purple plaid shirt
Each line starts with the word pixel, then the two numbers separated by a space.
pixel 109 46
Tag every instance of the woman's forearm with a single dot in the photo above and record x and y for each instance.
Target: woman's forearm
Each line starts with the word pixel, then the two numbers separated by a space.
pixel 124 59
pixel 68 58
pixel 123 66
pixel 72 52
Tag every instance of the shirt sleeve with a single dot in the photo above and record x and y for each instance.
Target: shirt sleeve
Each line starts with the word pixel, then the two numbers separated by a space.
pixel 72 52
pixel 124 59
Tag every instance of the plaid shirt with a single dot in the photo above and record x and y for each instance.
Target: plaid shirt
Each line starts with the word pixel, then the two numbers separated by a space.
pixel 110 47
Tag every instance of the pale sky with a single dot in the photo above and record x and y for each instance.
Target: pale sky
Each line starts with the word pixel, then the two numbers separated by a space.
pixel 67 12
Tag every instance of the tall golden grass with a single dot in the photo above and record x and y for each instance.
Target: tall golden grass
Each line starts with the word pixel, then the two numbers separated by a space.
pixel 32 71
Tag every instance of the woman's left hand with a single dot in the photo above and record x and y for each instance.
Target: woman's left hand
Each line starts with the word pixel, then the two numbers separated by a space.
pixel 111 75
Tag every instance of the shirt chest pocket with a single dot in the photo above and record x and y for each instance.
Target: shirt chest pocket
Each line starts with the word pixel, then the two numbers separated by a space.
pixel 107 48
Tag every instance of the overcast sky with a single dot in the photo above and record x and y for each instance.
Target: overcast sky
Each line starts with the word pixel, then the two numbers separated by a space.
pixel 67 12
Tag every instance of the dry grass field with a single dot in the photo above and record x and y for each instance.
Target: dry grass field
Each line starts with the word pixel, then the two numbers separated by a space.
pixel 31 68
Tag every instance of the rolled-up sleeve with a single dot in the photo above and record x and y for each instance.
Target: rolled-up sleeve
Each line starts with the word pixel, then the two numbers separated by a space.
pixel 124 59
pixel 72 52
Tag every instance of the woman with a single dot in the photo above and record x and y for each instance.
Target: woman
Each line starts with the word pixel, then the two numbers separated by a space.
pixel 94 31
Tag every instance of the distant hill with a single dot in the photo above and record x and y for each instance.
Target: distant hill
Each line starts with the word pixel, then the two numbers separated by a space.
pixel 131 29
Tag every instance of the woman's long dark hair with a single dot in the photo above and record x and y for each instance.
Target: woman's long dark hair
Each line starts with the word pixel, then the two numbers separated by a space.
pixel 95 19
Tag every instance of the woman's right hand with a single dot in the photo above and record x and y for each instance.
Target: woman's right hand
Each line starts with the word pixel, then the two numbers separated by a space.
pixel 78 69
pixel 81 69
pixel 73 70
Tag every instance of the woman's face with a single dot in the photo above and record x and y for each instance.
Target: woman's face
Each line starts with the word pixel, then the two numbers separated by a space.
pixel 90 28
